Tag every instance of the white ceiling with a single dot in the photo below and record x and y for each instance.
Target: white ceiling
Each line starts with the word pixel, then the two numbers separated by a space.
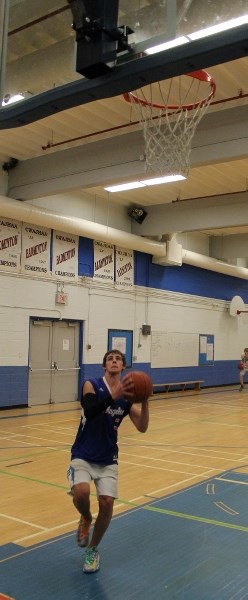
pixel 219 157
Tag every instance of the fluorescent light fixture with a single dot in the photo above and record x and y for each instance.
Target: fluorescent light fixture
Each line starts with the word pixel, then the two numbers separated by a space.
pixel 166 45
pixel 166 179
pixel 125 186
pixel 11 99
pixel 218 28
pixel 198 34
pixel 144 183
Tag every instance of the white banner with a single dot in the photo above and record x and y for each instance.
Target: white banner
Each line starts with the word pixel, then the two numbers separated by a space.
pixel 35 258
pixel 65 256
pixel 10 245
pixel 103 261
pixel 124 268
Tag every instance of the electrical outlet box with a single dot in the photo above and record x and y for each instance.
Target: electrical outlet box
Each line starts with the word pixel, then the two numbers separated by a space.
pixel 61 298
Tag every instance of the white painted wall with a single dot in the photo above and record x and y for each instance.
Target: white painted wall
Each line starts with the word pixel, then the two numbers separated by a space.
pixel 104 307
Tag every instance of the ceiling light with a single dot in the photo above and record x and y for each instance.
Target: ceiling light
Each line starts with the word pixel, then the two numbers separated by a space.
pixel 198 34
pixel 8 99
pixel 166 45
pixel 218 28
pixel 166 179
pixel 144 183
pixel 11 99
pixel 125 186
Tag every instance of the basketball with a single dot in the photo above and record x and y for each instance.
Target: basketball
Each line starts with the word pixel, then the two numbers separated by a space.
pixel 240 366
pixel 142 386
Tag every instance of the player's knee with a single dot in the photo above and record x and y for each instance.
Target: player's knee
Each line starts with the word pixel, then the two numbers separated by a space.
pixel 106 504
pixel 81 493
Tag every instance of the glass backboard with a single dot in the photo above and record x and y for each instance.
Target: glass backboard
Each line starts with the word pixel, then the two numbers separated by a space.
pixel 39 48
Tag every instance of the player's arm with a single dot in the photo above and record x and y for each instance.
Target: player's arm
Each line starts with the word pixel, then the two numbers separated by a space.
pixel 139 415
pixel 90 402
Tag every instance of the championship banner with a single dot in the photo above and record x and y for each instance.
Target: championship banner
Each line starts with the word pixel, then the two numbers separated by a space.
pixel 124 268
pixel 65 256
pixel 10 245
pixel 35 257
pixel 103 262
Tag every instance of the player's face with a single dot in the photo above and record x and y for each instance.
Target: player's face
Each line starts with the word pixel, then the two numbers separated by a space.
pixel 114 363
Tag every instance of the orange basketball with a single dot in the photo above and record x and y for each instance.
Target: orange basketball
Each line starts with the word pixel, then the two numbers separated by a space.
pixel 142 386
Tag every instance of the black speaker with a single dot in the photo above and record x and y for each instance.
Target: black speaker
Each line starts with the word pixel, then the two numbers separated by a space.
pixel 146 329
pixel 137 213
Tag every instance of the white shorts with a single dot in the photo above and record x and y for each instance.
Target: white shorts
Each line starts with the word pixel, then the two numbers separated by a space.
pixel 105 477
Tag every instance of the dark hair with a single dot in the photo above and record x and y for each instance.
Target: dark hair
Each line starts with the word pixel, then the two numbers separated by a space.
pixel 113 352
pixel 245 349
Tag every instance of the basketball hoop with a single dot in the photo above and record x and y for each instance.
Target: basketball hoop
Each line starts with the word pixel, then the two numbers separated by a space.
pixel 169 112
pixel 237 306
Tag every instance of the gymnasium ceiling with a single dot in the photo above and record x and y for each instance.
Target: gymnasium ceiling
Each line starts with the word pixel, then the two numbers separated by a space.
pixel 219 159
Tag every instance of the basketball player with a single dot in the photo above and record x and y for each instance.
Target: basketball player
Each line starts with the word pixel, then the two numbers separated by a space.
pixel 244 361
pixel 94 454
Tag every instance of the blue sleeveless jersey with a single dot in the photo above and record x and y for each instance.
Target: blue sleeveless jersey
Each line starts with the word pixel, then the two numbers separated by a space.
pixel 96 439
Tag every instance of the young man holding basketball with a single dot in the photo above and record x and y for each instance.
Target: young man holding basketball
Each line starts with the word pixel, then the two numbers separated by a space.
pixel 94 456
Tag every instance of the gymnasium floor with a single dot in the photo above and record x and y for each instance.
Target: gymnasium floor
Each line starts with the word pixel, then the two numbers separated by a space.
pixel 180 529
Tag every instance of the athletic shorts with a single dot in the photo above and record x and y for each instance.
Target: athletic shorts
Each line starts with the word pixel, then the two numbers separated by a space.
pixel 244 371
pixel 105 477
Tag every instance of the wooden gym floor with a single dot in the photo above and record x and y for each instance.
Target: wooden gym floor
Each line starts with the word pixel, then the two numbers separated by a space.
pixel 180 526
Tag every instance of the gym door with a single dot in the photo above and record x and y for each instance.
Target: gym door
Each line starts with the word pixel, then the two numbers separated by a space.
pixel 53 362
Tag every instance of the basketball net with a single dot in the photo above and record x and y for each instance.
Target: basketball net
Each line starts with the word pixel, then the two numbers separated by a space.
pixel 169 112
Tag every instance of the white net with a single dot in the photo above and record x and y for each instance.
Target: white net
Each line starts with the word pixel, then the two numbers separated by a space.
pixel 169 116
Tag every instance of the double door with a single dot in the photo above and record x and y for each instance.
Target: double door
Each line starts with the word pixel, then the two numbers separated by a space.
pixel 53 362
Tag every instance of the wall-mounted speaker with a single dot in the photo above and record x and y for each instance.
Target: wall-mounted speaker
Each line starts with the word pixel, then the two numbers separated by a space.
pixel 146 329
pixel 137 213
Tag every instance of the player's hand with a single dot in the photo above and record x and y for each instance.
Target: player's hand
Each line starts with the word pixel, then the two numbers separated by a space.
pixel 124 388
pixel 128 387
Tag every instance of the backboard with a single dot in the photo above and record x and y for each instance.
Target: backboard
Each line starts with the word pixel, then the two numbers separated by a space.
pixel 39 48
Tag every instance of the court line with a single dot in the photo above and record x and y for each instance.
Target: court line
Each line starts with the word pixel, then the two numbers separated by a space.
pixel 173 447
pixel 173 462
pixel 127 462
pixel 226 508
pixel 232 481
pixel 133 504
pixel 24 522
pixel 150 508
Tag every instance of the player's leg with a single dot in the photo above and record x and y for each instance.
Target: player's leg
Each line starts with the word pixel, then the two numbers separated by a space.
pixel 241 379
pixel 106 504
pixel 79 476
pixel 106 486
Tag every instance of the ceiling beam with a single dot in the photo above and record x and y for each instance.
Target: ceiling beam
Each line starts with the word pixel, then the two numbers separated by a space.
pixel 204 53
pixel 221 136
pixel 230 210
